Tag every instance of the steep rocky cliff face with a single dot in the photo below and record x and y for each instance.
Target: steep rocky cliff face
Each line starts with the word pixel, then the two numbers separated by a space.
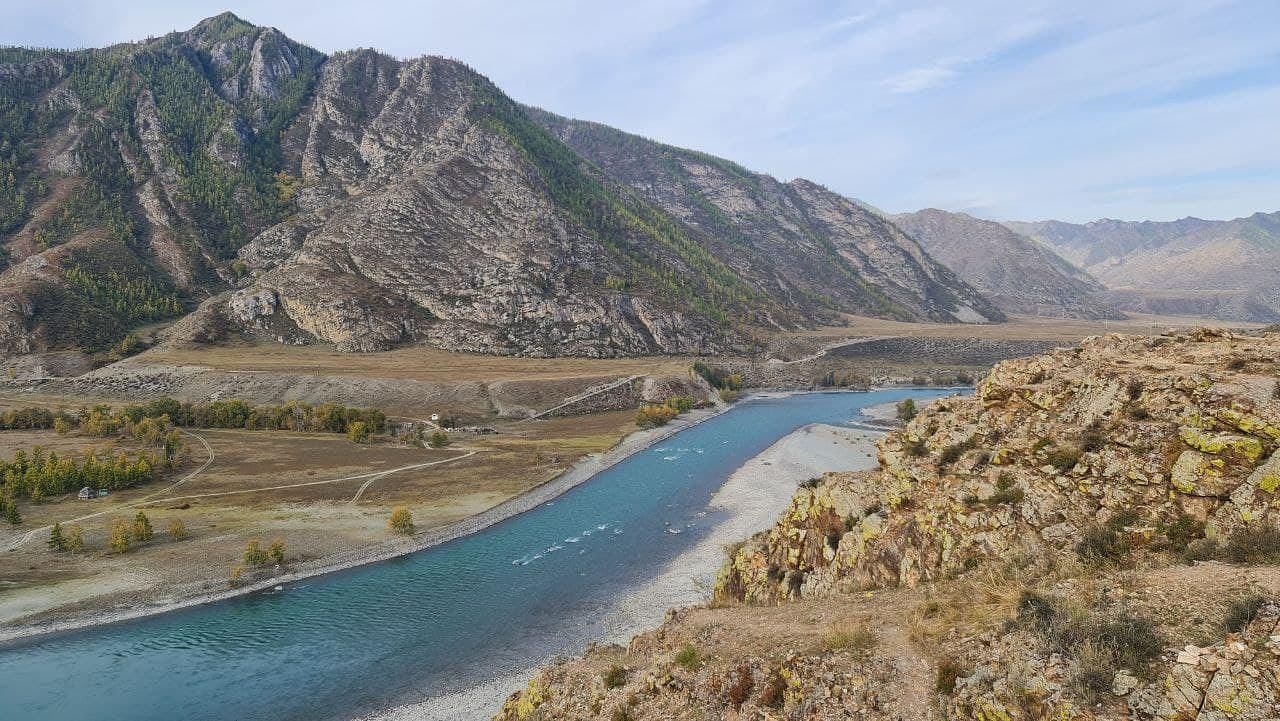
pixel 366 202
pixel 1228 269
pixel 815 246
pixel 1092 535
pixel 1018 274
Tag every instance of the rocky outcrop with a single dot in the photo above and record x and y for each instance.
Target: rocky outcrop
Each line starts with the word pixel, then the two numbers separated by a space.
pixel 1154 431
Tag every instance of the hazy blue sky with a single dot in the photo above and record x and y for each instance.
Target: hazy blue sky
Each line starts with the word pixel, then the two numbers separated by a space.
pixel 1005 109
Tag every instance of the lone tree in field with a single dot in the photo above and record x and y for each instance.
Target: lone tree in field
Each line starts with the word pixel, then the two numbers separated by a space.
pixel 177 529
pixel 358 432
pixel 907 409
pixel 439 439
pixel 401 520
pixel 253 553
pixel 75 538
pixel 121 535
pixel 142 531
pixel 11 511
pixel 57 542
pixel 276 551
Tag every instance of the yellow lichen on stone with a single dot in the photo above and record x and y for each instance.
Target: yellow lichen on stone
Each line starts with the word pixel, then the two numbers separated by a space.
pixel 1215 444
pixel 1249 423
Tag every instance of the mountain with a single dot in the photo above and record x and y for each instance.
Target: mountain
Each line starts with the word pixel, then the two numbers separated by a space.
pixel 1018 274
pixel 255 185
pixel 1228 269
pixel 798 237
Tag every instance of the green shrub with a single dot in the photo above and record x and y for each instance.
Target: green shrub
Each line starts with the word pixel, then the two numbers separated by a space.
pixel 688 658
pixel 1013 496
pixel 1096 667
pixel 1092 440
pixel 949 670
pixel 1064 458
pixel 1201 549
pixel 953 452
pixel 1124 518
pixel 916 448
pixel 1100 642
pixel 1242 611
pixel 1100 544
pixel 1182 532
pixel 1137 412
pixel 907 410
pixel 614 677
pixel 1134 388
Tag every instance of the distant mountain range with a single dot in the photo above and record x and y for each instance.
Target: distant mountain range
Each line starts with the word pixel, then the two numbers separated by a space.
pixel 1226 269
pixel 237 182
pixel 1017 273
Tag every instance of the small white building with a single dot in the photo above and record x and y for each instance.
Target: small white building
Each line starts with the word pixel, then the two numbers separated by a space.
pixel 86 493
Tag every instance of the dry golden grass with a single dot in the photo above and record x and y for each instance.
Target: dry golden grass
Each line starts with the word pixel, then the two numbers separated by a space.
pixel 1020 327
pixel 417 363
pixel 982 599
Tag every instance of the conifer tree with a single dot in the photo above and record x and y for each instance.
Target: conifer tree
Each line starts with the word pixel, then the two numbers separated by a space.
pixel 56 540
pixel 142 528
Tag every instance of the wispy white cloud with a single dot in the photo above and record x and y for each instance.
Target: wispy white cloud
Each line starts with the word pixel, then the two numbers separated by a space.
pixel 929 76
pixel 1009 108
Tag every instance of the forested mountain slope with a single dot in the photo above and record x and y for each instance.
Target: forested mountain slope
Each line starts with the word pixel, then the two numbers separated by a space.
pixel 807 241
pixel 367 202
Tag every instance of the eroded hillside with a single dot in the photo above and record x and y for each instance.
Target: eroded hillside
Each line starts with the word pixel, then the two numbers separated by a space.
pixel 1092 535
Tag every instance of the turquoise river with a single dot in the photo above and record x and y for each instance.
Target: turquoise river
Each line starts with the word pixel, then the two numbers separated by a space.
pixel 438 621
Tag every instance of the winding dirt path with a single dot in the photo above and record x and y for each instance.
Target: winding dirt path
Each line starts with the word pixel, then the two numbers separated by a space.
pixel 830 347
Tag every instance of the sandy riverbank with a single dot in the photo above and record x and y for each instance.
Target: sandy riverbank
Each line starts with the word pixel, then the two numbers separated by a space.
pixel 579 473
pixel 748 502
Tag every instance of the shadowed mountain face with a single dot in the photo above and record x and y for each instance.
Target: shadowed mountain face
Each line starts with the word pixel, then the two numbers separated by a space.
pixel 1228 269
pixel 368 202
pixel 1014 271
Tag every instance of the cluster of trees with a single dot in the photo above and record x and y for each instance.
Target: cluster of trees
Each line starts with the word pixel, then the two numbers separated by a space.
pixel 151 422
pixel 256 556
pixel 719 378
pixel 122 534
pixel 40 474
pixel 652 416
pixel 132 301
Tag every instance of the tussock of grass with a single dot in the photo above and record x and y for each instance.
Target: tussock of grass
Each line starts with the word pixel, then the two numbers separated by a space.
pixel 855 637
pixel 688 658
pixel 1242 611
